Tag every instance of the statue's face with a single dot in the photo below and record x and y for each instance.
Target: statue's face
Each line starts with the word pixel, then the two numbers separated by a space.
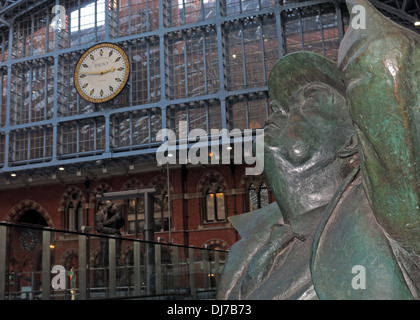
pixel 302 140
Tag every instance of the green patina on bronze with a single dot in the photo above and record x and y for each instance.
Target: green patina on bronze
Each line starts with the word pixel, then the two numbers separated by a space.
pixel 330 216
pixel 381 65
pixel 308 153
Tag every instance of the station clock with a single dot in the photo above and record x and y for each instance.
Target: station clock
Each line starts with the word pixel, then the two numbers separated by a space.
pixel 101 73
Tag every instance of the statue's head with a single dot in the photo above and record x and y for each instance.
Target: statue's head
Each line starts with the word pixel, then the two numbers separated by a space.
pixel 309 128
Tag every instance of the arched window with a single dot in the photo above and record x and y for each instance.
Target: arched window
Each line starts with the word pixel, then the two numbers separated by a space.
pixel 253 197
pixel 215 202
pixel 75 214
pixel 263 195
pixel 258 196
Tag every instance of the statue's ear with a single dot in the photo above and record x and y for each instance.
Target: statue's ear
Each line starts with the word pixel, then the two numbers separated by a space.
pixel 351 147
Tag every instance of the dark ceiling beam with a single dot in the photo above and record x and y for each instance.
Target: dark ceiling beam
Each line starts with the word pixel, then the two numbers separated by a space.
pixel 11 6
pixel 399 13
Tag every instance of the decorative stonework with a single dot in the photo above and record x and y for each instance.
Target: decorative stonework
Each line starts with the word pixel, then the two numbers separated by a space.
pixel 132 184
pixel 208 176
pixel 24 206
pixel 67 196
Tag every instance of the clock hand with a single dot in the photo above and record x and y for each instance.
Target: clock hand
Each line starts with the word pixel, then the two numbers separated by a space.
pixel 101 72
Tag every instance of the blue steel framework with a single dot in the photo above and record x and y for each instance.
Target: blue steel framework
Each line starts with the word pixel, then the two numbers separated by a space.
pixel 202 61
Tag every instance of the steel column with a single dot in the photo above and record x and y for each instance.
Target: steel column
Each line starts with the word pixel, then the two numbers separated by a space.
pixel 46 265
pixel 3 262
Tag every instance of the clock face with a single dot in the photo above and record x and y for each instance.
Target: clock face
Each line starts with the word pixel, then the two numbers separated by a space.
pixel 101 72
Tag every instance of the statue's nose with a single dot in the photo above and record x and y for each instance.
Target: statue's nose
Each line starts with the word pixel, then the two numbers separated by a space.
pixel 296 141
pixel 296 151
pixel 299 151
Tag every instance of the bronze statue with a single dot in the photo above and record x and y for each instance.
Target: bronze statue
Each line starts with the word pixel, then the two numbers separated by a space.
pixel 333 216
pixel 108 221
pixel 309 151
pixel 381 67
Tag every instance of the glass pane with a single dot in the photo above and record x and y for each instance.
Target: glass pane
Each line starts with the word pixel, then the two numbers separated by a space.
pixel 257 110
pixel 87 24
pixel 137 16
pixel 263 196
pixel 122 130
pixel 253 54
pixel 197 118
pixel 313 29
pixel 237 115
pixel 234 57
pixel 40 33
pixel 220 200
pixel 145 73
pixel 253 198
pixel 210 207
pixel 135 272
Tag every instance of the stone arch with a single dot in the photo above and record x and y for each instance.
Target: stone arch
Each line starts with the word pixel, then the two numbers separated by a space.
pixel 67 195
pixel 132 184
pixel 94 256
pixel 160 179
pixel 207 177
pixel 67 254
pixel 216 242
pixel 100 188
pixel 126 251
pixel 129 249
pixel 28 205
pixel 257 180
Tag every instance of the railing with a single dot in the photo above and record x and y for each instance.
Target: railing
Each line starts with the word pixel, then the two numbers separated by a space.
pixel 49 264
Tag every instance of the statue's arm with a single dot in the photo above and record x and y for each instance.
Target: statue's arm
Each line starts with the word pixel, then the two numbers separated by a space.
pixel 387 117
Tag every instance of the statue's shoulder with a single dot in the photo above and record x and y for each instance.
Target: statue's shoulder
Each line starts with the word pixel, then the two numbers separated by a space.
pixel 353 259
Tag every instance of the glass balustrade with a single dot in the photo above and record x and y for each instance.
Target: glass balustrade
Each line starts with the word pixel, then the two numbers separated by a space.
pixel 42 263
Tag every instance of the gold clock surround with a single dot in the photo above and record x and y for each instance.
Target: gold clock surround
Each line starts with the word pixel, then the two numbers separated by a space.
pixel 83 72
